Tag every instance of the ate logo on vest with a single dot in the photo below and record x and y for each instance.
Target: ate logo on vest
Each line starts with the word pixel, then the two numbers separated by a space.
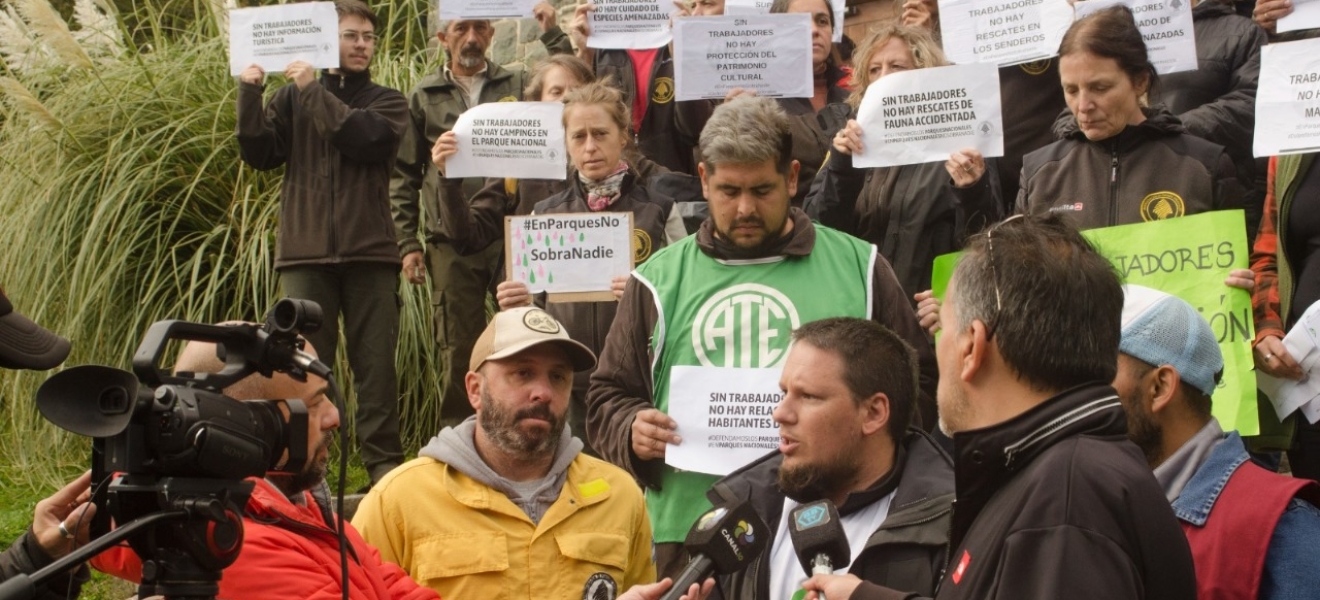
pixel 744 326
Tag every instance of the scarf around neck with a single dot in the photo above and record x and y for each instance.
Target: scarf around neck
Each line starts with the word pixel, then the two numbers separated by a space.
pixel 601 194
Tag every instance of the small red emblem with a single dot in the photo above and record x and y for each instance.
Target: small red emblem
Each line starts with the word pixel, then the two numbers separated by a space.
pixel 962 567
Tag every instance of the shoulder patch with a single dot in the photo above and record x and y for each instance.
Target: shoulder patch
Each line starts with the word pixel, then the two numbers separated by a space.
pixel 1162 205
pixel 1036 67
pixel 509 99
pixel 641 245
pixel 663 90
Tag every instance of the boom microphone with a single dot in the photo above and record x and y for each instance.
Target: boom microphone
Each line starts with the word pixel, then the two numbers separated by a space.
pixel 724 540
pixel 818 538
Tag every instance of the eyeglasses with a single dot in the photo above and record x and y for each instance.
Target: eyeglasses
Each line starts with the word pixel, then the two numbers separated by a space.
pixel 352 37
pixel 994 273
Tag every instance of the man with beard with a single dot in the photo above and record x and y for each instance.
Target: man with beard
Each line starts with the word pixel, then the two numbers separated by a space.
pixel 1252 531
pixel 729 297
pixel 459 283
pixel 290 544
pixel 843 439
pixel 505 505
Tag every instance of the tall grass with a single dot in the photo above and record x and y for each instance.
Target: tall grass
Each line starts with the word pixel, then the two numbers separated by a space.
pixel 124 202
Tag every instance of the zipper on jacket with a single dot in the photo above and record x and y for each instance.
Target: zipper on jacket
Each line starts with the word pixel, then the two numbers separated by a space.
pixel 948 547
pixel 1113 186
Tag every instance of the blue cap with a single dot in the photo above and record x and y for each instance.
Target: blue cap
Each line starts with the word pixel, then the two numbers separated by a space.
pixel 1162 329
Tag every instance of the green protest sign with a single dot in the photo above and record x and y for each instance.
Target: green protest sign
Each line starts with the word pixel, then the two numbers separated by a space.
pixel 1188 257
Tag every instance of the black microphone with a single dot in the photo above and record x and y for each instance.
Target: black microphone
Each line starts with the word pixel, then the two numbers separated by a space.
pixel 818 538
pixel 724 540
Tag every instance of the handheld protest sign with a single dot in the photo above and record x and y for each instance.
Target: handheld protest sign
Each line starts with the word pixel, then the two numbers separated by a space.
pixel 764 53
pixel 499 138
pixel 1288 99
pixel 922 116
pixel 1003 32
pixel 630 24
pixel 572 257
pixel 1305 15
pixel 1166 25
pixel 727 423
pixel 271 37
pixel 486 9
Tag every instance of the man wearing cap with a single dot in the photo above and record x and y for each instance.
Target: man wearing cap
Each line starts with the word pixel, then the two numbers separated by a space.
pixel 1252 532
pixel 505 505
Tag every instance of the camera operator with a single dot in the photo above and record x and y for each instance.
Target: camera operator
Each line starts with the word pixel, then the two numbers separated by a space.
pixel 63 519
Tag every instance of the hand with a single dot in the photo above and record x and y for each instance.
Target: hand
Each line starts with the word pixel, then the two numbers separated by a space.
pixel 545 15
pixel 965 167
pixel 651 430
pixel 736 92
pixel 414 267
pixel 253 74
pixel 928 311
pixel 919 13
pixel 1268 12
pixel 683 10
pixel 833 587
pixel 1243 279
pixel 580 28
pixel 445 146
pixel 653 591
pixel 849 139
pixel 617 283
pixel 512 294
pixel 1272 357
pixel 300 73
pixel 71 507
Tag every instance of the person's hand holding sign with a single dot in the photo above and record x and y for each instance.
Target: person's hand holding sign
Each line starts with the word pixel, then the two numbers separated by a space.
pixel 849 139
pixel 580 30
pixel 651 430
pixel 617 284
pixel 512 294
pixel 300 73
pixel 253 74
pixel 966 167
pixel 1268 12
pixel 445 147
pixel 920 13
pixel 545 15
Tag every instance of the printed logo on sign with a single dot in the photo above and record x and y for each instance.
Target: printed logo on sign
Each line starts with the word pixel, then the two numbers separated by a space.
pixel 664 90
pixel 1036 67
pixel 811 516
pixel 1162 205
pixel 641 245
pixel 708 520
pixel 552 155
pixel 539 320
pixel 985 129
pixel 600 586
pixel 745 326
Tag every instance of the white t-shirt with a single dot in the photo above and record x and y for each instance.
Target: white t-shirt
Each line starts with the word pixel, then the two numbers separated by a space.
pixel 786 574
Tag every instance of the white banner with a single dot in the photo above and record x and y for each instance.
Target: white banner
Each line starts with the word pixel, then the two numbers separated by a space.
pixel 713 55
pixel 271 37
pixel 1166 25
pixel 723 416
pixel 747 7
pixel 923 115
pixel 573 253
pixel 1288 99
pixel 630 24
pixel 486 9
pixel 497 139
pixel 1305 15
pixel 1003 32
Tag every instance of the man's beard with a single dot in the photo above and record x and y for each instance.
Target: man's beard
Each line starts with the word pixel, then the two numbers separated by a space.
pixel 471 57
pixel 501 428
pixel 810 482
pixel 310 476
pixel 1143 430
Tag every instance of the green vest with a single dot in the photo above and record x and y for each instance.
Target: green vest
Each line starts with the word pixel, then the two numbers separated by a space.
pixel 739 313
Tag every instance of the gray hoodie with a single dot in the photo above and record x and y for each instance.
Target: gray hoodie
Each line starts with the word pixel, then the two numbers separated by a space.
pixel 455 446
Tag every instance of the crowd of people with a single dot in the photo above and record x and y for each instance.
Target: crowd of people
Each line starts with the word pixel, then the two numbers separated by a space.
pixel 1055 440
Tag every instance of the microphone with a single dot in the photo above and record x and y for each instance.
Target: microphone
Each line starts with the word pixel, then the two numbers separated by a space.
pixel 818 538
pixel 724 540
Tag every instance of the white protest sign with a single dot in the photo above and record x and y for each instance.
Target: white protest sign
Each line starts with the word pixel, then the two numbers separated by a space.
pixel 1288 99
pixel 1305 15
pixel 486 9
pixel 747 7
pixel 723 416
pixel 923 115
pixel 572 257
pixel 1166 25
pixel 1003 32
pixel 713 55
pixel 271 37
pixel 497 139
pixel 630 24
pixel 839 7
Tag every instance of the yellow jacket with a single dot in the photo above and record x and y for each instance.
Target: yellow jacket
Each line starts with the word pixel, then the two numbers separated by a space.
pixel 464 539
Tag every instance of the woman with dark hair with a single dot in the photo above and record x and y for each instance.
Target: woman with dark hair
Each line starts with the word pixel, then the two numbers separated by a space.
pixel 910 212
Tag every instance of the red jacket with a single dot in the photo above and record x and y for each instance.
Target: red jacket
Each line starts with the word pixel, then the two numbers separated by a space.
pixel 290 552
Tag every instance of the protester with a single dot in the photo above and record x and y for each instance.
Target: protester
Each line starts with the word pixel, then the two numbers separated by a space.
pixel 505 505
pixel 1288 271
pixel 459 282
pixel 843 439
pixel 910 212
pixel 338 137
pixel 600 179
pixel 1251 531
pixel 1052 500
pixel 754 243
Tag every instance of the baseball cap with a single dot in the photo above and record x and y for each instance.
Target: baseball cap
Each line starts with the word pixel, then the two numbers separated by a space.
pixel 1162 329
pixel 26 345
pixel 515 330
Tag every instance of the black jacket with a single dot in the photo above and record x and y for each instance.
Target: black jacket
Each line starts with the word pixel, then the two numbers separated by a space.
pixel 26 557
pixel 1056 503
pixel 658 138
pixel 1147 172
pixel 907 552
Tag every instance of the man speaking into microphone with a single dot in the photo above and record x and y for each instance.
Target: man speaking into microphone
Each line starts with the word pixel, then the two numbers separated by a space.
pixel 849 386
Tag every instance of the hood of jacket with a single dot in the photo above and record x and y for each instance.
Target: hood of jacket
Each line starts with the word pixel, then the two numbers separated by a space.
pixel 1159 123
pixel 456 447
